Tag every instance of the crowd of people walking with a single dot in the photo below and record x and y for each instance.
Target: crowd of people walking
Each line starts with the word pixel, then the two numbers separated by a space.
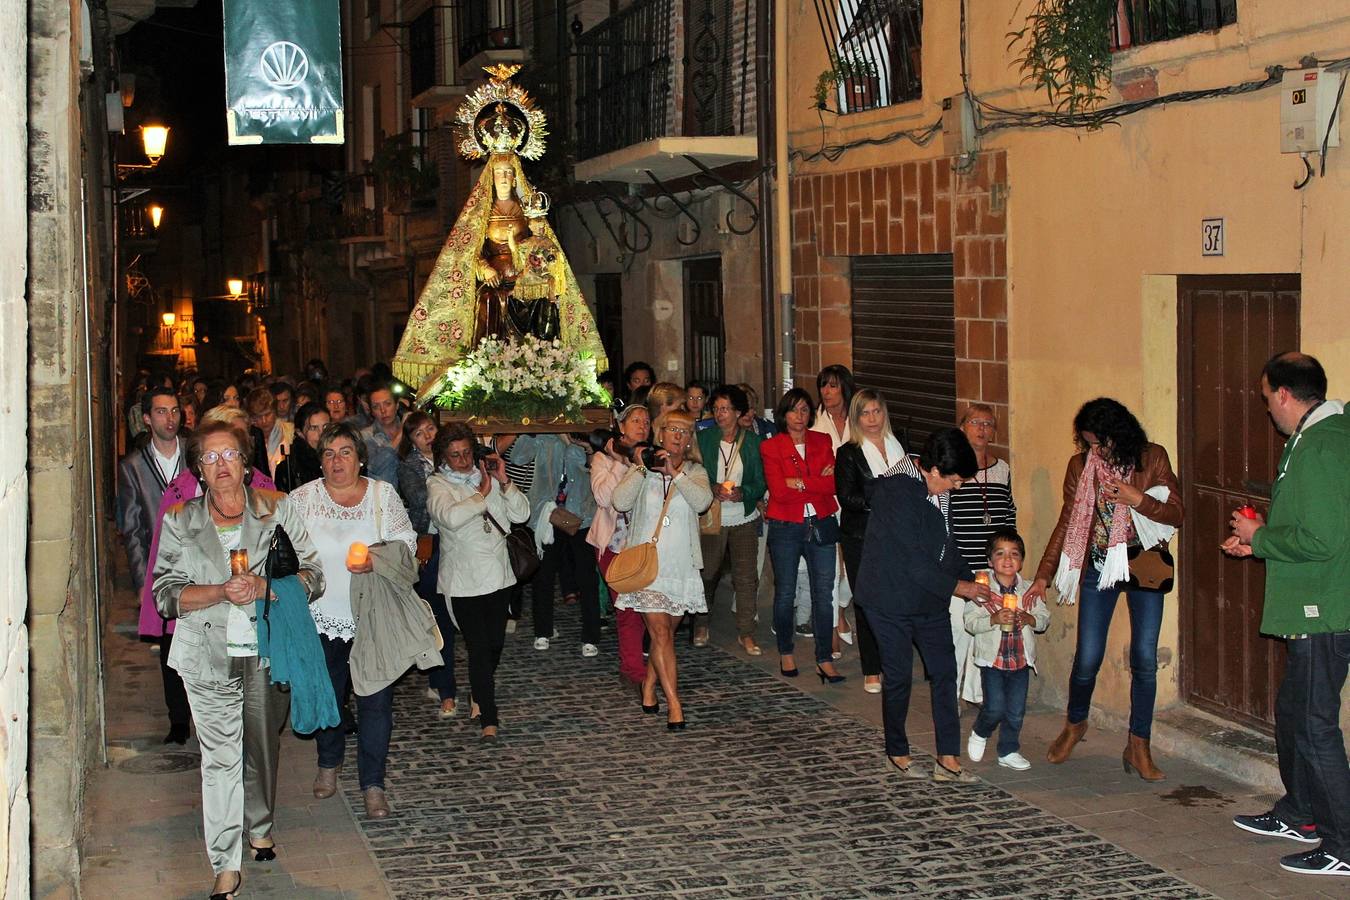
pixel 316 502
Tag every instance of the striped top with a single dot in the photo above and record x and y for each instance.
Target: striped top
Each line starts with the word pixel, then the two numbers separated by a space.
pixel 521 475
pixel 983 505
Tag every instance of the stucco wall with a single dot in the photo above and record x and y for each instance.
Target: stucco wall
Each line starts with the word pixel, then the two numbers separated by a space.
pixel 14 849
pixel 1099 224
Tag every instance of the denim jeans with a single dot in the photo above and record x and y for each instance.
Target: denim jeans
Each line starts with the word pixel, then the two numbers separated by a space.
pixel 442 678
pixel 1005 706
pixel 1309 740
pixel 789 542
pixel 375 713
pixel 1095 608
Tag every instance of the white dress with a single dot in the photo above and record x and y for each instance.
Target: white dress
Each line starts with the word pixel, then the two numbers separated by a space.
pixel 678 588
pixel 334 528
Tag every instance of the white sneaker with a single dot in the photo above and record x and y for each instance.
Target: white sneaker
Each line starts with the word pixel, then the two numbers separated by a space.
pixel 975 747
pixel 510 626
pixel 541 643
pixel 589 650
pixel 433 694
pixel 1013 761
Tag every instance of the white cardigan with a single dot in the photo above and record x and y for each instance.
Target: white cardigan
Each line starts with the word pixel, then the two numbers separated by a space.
pixel 473 559
pixel 691 485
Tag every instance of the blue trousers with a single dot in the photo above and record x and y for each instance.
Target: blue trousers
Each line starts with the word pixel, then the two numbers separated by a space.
pixel 897 634
pixel 375 714
pixel 1095 608
pixel 1005 706
pixel 442 679
pixel 789 542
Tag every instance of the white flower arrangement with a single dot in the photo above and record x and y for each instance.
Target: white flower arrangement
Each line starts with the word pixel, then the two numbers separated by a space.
pixel 522 380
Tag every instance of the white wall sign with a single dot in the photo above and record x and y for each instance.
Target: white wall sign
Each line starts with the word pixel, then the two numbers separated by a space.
pixel 1211 237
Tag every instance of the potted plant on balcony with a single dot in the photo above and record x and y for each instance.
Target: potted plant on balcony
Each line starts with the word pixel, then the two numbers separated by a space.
pixel 857 75
pixel 408 180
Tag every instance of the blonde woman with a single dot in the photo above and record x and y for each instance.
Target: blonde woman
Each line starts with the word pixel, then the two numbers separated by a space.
pixel 664 397
pixel 678 589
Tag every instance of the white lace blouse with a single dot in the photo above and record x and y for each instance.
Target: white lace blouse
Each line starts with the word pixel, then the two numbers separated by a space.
pixel 379 517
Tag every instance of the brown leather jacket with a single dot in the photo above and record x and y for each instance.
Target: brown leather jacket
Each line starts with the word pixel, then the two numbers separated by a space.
pixel 1155 470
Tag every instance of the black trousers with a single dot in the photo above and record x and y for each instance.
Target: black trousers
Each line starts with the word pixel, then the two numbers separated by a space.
pixel 1309 740
pixel 868 654
pixel 175 695
pixel 897 635
pixel 571 561
pixel 482 622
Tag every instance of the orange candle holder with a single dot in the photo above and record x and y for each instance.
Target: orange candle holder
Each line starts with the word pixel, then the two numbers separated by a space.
pixel 728 486
pixel 982 578
pixel 238 562
pixel 357 554
pixel 1009 602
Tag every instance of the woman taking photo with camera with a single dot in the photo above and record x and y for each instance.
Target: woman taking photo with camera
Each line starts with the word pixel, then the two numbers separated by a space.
pixel 474 504
pixel 668 492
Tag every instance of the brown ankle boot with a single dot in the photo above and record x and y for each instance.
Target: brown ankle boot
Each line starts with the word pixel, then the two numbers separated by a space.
pixel 1139 760
pixel 1063 745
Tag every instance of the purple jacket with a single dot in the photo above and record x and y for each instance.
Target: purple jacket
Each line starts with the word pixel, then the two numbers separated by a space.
pixel 183 488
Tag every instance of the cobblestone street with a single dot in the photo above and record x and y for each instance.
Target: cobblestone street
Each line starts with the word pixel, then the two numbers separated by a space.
pixel 777 789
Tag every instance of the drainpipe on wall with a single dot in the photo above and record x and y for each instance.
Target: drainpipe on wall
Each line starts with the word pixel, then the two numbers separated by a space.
pixel 766 100
pixel 783 211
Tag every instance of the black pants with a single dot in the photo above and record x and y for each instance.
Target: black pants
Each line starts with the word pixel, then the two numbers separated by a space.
pixel 442 678
pixel 571 561
pixel 482 621
pixel 897 634
pixel 1308 738
pixel 868 654
pixel 175 695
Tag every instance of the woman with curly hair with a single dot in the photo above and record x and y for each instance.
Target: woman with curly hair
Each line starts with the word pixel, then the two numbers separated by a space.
pixel 1116 476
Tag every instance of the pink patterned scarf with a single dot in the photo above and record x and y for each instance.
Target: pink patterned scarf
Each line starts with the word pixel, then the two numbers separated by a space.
pixel 1074 553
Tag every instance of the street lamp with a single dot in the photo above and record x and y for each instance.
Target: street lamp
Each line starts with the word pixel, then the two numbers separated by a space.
pixel 156 214
pixel 236 287
pixel 168 319
pixel 154 139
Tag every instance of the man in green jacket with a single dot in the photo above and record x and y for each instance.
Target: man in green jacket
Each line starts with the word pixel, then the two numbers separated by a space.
pixel 731 455
pixel 1306 546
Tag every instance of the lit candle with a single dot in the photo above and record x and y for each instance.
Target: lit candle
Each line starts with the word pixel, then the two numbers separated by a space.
pixel 982 578
pixel 1009 602
pixel 238 562
pixel 728 486
pixel 357 554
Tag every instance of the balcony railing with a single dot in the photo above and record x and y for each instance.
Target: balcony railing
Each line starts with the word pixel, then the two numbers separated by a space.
pixel 623 79
pixel 1149 21
pixel 422 52
pixel 485 25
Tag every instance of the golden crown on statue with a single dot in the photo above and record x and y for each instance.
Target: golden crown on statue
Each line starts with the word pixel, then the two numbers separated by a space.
pixel 536 206
pixel 514 124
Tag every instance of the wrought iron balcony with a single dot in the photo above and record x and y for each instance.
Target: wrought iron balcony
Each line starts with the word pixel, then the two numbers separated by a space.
pixel 482 25
pixel 623 78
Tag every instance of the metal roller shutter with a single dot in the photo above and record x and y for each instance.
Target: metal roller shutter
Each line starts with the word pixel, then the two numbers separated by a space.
pixel 904 342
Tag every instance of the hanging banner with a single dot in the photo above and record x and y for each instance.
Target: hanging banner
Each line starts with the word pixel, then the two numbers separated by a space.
pixel 283 72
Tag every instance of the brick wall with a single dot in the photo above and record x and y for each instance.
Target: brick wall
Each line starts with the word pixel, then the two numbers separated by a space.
pixel 912 207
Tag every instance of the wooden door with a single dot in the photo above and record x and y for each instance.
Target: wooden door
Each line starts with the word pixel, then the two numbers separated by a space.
pixel 1229 327
pixel 704 342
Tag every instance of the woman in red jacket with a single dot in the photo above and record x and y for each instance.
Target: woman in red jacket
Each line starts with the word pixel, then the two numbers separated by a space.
pixel 799 470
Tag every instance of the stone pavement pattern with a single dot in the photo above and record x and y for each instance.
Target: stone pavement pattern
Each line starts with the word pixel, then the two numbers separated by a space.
pixel 778 788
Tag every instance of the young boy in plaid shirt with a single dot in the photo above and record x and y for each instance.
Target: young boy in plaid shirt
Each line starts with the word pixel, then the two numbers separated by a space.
pixel 1005 658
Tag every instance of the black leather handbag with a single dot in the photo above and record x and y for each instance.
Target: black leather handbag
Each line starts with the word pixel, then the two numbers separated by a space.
pixel 519 549
pixel 281 563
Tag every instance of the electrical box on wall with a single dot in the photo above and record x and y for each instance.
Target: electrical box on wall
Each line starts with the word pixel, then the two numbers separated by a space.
pixel 1307 103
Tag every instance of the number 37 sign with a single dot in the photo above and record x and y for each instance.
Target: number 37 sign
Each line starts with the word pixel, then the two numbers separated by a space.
pixel 1211 237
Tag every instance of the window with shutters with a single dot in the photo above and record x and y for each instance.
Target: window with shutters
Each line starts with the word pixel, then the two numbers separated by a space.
pixel 904 339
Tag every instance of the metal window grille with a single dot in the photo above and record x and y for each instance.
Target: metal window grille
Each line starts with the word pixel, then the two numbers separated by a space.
pixel 484 24
pixel 875 48
pixel 1149 21
pixel 623 79
pixel 422 52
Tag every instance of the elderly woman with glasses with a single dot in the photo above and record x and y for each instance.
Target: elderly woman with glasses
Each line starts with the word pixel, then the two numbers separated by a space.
pixel 982 506
pixel 204 577
pixel 671 495
pixel 340 509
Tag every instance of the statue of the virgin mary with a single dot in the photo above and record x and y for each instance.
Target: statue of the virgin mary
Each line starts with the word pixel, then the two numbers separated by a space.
pixel 501 272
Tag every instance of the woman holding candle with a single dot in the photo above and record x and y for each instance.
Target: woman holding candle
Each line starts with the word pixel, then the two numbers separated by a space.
pixel 1115 471
pixel 730 454
pixel 799 471
pixel 238 712
pixel 669 497
pixel 342 509
pixel 870 452
pixel 474 504
pixel 415 467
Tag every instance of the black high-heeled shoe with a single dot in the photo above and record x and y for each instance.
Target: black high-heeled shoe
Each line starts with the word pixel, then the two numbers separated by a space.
pixel 230 894
pixel 825 676
pixel 654 708
pixel 675 726
pixel 263 854
pixel 787 673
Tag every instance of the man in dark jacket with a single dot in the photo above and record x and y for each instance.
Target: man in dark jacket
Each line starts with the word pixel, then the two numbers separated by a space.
pixel 1306 546
pixel 910 570
pixel 142 476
